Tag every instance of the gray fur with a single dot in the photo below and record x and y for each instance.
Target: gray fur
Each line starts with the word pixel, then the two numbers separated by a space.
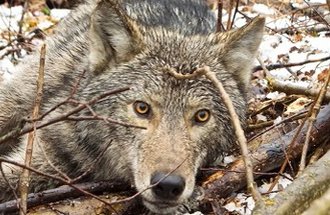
pixel 131 44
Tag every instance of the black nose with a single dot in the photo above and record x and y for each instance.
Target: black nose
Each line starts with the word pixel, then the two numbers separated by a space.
pixel 169 187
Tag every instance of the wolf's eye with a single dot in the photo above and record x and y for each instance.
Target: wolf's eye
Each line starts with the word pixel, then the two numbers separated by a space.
pixel 202 116
pixel 141 108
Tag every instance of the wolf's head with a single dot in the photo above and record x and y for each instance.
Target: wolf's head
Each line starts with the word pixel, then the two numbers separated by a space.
pixel 187 124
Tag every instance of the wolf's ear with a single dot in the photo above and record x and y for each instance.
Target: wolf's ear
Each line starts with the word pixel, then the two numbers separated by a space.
pixel 239 48
pixel 114 37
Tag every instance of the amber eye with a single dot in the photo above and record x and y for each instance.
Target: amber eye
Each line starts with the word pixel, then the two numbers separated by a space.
pixel 141 108
pixel 202 116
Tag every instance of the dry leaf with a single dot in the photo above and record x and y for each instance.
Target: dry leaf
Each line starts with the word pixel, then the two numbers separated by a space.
pixel 297 105
pixel 297 37
pixel 322 76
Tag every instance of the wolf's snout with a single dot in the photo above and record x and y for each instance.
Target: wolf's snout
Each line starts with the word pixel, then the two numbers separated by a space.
pixel 167 187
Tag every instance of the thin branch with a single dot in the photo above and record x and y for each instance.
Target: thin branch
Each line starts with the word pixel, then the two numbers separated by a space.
pixel 64 192
pixel 3 160
pixel 85 188
pixel 25 9
pixel 315 11
pixel 235 12
pixel 220 27
pixel 271 124
pixel 18 202
pixel 289 150
pixel 296 198
pixel 73 92
pixel 98 158
pixel 243 172
pixel 108 120
pixel 25 176
pixel 263 67
pixel 230 20
pixel 150 186
pixel 239 134
pixel 291 88
pixel 62 174
pixel 288 119
pixel 311 120
pixel 61 117
pixel 280 65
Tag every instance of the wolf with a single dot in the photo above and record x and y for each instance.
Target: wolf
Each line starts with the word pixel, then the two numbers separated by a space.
pixel 132 43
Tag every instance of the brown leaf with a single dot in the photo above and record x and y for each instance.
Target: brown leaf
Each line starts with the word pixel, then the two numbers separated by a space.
pixel 297 106
pixel 297 37
pixel 322 76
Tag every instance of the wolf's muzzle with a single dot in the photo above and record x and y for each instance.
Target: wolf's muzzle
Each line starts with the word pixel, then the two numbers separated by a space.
pixel 167 187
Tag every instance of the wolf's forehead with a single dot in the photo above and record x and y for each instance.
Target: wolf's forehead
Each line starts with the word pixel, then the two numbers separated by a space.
pixel 169 91
pixel 172 46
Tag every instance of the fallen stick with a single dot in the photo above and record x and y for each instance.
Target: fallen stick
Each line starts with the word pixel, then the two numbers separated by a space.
pixel 291 88
pixel 321 205
pixel 63 192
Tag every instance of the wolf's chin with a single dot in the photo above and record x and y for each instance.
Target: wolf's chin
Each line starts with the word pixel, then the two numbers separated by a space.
pixel 160 207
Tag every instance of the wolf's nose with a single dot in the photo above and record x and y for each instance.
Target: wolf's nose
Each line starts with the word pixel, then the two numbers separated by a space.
pixel 169 187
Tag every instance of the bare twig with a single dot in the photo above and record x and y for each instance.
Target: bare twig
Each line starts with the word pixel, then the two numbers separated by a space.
pixel 272 124
pixel 243 172
pixel 3 160
pixel 64 116
pixel 81 188
pixel 239 134
pixel 230 20
pixel 62 174
pixel 25 8
pixel 64 192
pixel 291 88
pixel 267 73
pixel 150 186
pixel 67 100
pixel 279 66
pixel 291 146
pixel 319 151
pixel 234 16
pixel 65 176
pixel 25 176
pixel 321 17
pixel 98 158
pixel 220 27
pixel 18 204
pixel 311 120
